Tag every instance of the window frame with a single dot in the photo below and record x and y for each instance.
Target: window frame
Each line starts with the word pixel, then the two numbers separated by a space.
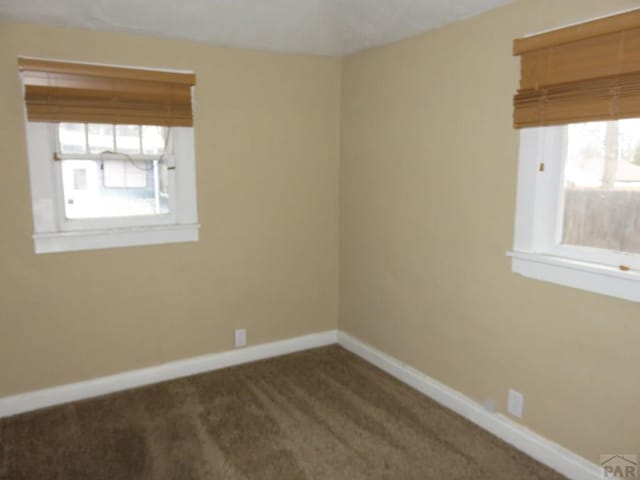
pixel 53 232
pixel 537 252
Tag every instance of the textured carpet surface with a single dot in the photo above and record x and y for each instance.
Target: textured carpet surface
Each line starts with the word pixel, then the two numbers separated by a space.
pixel 320 414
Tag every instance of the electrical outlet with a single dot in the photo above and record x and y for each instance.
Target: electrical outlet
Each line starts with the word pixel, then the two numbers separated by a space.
pixel 241 337
pixel 515 403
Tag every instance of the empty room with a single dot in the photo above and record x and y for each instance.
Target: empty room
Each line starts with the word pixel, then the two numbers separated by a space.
pixel 320 239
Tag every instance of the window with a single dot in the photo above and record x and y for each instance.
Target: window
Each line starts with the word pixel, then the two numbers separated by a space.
pixel 578 205
pixel 601 187
pixel 97 184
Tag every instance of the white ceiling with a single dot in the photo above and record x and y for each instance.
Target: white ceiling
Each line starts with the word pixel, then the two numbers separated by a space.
pixel 330 27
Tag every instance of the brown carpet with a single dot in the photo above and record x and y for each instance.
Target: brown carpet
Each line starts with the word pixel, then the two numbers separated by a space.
pixel 320 414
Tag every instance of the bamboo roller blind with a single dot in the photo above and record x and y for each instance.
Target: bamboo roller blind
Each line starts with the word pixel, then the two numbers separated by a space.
pixel 581 73
pixel 73 92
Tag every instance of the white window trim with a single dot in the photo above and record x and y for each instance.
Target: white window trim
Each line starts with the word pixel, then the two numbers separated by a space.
pixel 537 252
pixel 53 233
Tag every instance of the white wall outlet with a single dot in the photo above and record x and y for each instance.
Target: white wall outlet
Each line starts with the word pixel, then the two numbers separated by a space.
pixel 241 337
pixel 515 403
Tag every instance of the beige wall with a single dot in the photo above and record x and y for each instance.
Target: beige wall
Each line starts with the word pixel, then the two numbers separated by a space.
pixel 428 181
pixel 267 147
pixel 427 190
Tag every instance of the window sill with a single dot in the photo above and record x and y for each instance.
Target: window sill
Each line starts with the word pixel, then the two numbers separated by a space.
pixel 591 277
pixel 114 238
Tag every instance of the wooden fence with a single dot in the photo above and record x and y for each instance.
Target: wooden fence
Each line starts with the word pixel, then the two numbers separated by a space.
pixel 603 219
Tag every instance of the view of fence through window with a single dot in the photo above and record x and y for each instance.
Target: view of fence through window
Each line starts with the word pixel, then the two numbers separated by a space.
pixel 113 170
pixel 602 186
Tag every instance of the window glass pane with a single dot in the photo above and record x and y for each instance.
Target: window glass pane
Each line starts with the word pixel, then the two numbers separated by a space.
pixel 73 138
pixel 128 139
pixel 153 139
pixel 100 138
pixel 112 188
pixel 125 173
pixel 602 186
pixel 164 178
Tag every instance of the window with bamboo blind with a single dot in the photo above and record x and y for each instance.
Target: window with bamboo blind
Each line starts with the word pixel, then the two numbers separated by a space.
pixel 111 155
pixel 578 112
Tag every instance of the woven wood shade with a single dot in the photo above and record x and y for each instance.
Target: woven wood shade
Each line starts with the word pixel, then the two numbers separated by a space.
pixel 581 73
pixel 72 92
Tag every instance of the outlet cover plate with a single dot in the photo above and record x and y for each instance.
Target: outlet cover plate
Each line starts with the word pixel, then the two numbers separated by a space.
pixel 515 403
pixel 241 337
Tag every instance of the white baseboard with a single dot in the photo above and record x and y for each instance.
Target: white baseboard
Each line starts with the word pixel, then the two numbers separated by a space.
pixel 25 402
pixel 543 450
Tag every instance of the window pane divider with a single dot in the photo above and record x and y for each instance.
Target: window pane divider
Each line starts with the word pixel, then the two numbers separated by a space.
pixel 114 156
